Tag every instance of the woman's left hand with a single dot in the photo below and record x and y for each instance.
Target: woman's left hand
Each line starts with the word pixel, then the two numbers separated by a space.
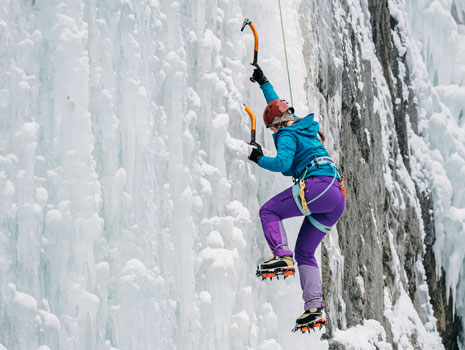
pixel 258 76
pixel 256 153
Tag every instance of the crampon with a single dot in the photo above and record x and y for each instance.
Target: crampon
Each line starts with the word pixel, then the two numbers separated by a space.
pixel 270 273
pixel 307 327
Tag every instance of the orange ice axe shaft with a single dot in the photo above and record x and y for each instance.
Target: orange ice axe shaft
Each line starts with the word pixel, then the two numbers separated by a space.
pixel 255 53
pixel 252 119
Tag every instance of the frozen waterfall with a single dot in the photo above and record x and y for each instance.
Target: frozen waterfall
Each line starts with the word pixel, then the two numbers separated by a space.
pixel 129 209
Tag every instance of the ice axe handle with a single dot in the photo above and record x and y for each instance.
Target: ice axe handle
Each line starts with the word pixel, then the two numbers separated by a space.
pixel 252 138
pixel 252 127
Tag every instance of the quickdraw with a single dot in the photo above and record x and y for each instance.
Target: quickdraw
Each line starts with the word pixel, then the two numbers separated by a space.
pixel 302 195
pixel 343 186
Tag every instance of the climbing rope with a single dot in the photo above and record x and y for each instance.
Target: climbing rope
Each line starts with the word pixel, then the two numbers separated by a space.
pixel 285 51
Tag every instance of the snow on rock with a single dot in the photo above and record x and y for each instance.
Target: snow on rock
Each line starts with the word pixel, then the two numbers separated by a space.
pixel 407 328
pixel 370 335
pixel 129 209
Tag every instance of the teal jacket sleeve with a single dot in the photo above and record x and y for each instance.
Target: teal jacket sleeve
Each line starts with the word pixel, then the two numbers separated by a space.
pixel 268 92
pixel 286 151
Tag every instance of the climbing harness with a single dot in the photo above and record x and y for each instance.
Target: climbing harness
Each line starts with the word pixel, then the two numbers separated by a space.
pixel 285 51
pixel 255 49
pixel 298 190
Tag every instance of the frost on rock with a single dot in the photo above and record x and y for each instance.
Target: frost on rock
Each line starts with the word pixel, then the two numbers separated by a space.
pixel 129 210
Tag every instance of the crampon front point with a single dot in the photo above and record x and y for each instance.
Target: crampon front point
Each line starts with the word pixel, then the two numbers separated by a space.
pixel 270 273
pixel 310 326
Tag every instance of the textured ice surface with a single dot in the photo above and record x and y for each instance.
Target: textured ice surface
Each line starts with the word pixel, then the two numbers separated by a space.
pixel 437 57
pixel 128 204
pixel 128 208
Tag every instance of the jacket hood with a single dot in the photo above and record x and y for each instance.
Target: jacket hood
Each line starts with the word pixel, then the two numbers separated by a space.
pixel 302 126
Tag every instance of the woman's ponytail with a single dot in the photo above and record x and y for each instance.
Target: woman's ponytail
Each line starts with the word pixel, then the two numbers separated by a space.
pixel 322 136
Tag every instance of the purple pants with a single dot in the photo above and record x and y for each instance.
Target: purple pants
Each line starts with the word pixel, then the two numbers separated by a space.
pixel 327 210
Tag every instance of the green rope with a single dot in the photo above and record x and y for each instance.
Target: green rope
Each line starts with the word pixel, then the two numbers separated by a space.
pixel 285 52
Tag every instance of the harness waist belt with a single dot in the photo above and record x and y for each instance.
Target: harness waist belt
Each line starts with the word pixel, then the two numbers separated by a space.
pixel 317 161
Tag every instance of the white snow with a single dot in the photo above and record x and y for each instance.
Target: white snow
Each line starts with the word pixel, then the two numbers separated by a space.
pixel 128 207
pixel 407 328
pixel 370 335
pixel 436 56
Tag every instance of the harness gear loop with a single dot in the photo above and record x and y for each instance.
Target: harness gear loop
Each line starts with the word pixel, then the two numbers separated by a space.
pixel 285 51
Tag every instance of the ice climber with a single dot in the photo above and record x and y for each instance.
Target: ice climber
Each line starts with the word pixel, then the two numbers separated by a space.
pixel 300 154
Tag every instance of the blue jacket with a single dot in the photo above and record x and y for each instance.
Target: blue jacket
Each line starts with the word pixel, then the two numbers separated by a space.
pixel 296 145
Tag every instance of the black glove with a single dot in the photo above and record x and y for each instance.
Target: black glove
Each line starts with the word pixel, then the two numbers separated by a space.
pixel 258 76
pixel 256 153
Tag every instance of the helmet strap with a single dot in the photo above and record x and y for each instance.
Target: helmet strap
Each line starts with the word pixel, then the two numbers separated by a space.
pixel 279 125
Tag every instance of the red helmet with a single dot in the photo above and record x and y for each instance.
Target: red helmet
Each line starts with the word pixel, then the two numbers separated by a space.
pixel 275 108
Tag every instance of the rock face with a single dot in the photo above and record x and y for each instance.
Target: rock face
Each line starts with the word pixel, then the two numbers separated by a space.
pixel 387 221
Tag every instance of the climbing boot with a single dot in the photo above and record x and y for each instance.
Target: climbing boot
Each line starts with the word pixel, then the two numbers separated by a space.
pixel 309 320
pixel 275 267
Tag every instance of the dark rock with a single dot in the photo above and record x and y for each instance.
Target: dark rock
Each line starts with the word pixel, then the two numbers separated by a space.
pixel 374 216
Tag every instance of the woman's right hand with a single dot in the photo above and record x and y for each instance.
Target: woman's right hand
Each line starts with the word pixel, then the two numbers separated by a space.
pixel 256 153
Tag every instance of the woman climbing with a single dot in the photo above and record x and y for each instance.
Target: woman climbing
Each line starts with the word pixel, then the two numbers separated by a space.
pixel 316 194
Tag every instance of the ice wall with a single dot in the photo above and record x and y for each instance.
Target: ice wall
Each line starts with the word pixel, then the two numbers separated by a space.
pixel 128 206
pixel 437 56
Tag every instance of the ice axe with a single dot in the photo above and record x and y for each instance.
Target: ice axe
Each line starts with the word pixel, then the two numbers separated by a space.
pixel 252 131
pixel 255 64
pixel 255 49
